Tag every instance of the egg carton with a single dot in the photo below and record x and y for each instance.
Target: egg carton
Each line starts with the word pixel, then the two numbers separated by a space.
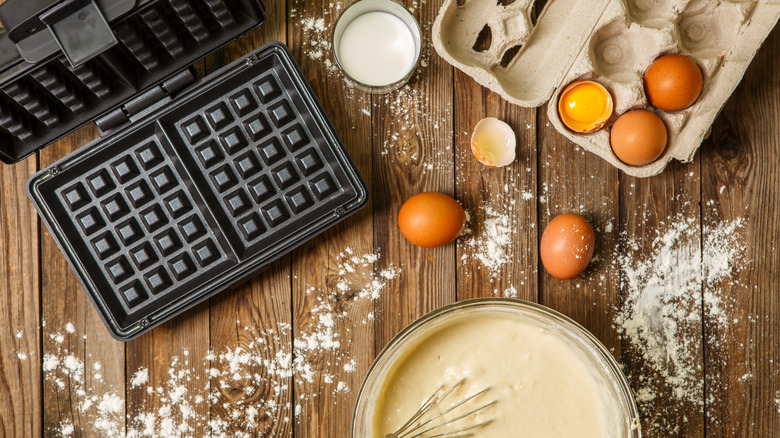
pixel 612 42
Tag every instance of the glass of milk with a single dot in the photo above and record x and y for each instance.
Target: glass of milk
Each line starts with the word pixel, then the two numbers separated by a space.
pixel 377 44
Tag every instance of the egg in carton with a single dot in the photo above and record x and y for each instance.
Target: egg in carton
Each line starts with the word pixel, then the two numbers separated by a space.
pixel 612 42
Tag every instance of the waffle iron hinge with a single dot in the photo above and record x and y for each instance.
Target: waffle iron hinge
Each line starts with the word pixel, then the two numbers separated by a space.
pixel 146 102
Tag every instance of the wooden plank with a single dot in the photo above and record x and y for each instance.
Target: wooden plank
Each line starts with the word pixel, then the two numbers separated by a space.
pixel 571 180
pixel 20 372
pixel 739 180
pixel 172 356
pixel 649 208
pixel 252 319
pixel 20 305
pixel 510 192
pixel 574 181
pixel 326 400
pixel 255 318
pixel 413 153
pixel 74 329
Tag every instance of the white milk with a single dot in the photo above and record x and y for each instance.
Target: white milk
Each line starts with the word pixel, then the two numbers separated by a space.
pixel 377 48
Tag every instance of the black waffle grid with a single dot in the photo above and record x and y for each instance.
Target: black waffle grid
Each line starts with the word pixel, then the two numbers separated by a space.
pixel 141 225
pixel 260 161
pixel 247 157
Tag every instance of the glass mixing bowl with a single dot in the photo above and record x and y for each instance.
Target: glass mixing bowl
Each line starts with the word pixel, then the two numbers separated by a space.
pixel 604 367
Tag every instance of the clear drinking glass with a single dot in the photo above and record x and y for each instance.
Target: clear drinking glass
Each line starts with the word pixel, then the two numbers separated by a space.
pixel 361 7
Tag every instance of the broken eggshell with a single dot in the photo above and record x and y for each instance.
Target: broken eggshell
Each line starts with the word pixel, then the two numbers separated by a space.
pixel 493 143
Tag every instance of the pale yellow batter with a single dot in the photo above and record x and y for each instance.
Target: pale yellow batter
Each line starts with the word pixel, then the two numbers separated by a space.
pixel 544 387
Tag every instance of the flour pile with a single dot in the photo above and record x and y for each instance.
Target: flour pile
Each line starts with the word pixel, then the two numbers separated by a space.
pixel 249 385
pixel 491 246
pixel 666 297
pixel 487 240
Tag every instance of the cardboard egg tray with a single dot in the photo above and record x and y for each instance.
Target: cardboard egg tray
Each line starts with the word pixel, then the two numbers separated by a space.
pixel 612 42
pixel 200 193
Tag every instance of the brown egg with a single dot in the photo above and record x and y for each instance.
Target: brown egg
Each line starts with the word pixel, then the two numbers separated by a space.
pixel 673 82
pixel 431 219
pixel 567 245
pixel 638 137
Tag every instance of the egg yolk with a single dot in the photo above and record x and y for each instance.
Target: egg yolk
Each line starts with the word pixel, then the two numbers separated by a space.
pixel 490 142
pixel 585 106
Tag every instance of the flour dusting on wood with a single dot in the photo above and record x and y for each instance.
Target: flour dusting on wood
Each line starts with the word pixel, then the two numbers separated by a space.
pixel 244 382
pixel 664 306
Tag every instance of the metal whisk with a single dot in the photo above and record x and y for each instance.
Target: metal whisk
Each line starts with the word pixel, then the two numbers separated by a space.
pixel 418 425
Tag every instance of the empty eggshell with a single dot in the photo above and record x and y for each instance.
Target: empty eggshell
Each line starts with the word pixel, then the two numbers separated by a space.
pixel 493 142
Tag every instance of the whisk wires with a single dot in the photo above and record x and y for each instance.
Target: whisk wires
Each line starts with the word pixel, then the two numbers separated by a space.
pixel 417 427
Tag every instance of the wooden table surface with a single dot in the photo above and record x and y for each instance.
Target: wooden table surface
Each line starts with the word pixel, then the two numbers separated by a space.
pixel 733 175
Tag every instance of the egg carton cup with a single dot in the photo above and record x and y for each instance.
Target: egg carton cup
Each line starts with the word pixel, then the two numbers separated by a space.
pixel 612 42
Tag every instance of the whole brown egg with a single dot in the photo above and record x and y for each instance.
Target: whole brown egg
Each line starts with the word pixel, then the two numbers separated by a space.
pixel 567 245
pixel 431 219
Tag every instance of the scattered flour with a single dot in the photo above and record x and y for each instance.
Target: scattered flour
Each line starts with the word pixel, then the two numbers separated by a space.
pixel 140 377
pixel 317 42
pixel 511 292
pixel 103 411
pixel 661 315
pixel 777 401
pixel 50 362
pixel 491 246
pixel 244 382
pixel 66 429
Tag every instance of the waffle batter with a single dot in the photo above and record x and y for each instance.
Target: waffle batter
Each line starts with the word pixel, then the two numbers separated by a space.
pixel 544 387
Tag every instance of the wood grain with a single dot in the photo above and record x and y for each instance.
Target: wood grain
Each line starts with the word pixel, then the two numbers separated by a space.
pixel 20 375
pixel 574 181
pixel 648 207
pixel 413 140
pixel 739 180
pixel 255 318
pixel 413 135
pixel 63 301
pixel 510 190
pixel 326 410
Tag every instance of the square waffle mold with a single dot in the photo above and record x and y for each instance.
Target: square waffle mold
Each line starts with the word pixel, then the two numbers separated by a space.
pixel 45 100
pixel 612 42
pixel 200 193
